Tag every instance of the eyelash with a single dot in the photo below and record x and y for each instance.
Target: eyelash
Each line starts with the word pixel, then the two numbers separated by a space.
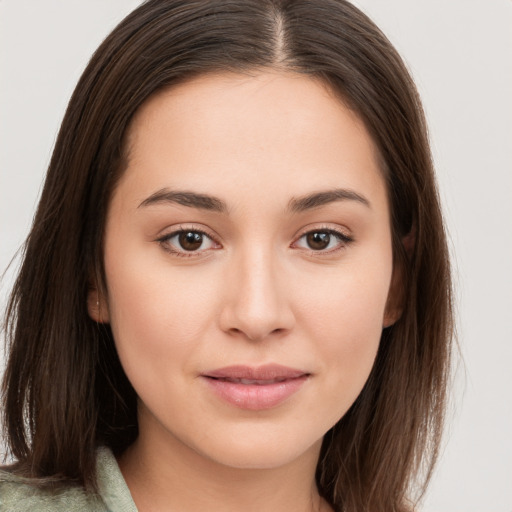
pixel 164 242
pixel 343 239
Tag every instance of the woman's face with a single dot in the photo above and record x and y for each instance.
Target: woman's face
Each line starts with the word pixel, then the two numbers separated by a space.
pixel 248 264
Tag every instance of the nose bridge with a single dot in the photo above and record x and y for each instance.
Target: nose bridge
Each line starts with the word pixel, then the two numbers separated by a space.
pixel 257 303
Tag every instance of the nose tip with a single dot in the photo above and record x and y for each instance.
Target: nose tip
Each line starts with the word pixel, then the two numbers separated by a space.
pixel 257 305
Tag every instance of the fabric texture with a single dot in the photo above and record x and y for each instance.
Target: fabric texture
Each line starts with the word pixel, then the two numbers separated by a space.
pixel 18 494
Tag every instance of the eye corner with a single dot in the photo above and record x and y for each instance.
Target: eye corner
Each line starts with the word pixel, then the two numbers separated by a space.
pixel 322 240
pixel 200 242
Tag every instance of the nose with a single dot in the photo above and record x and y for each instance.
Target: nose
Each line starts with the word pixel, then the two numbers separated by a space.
pixel 257 301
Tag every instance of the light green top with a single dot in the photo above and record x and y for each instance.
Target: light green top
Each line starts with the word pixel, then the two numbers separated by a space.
pixel 19 495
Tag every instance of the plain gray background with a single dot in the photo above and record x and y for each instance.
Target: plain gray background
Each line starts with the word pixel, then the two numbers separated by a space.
pixel 460 53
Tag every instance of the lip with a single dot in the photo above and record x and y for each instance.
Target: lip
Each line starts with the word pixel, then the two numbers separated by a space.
pixel 255 388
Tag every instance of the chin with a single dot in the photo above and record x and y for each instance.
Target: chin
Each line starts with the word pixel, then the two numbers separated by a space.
pixel 265 452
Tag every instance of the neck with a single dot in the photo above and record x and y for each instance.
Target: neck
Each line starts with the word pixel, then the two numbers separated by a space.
pixel 164 477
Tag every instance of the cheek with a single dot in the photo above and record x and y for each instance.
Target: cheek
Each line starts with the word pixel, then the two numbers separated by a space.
pixel 157 316
pixel 347 325
pixel 349 303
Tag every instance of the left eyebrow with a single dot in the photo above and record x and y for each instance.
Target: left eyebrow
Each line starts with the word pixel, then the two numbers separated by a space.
pixel 185 198
pixel 325 197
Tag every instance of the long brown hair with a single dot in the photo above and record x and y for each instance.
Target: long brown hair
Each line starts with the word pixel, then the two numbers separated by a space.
pixel 64 389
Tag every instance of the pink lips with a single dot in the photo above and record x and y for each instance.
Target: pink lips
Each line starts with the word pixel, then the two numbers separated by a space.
pixel 255 388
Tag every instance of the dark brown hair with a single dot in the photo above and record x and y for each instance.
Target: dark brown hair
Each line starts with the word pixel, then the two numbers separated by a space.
pixel 64 389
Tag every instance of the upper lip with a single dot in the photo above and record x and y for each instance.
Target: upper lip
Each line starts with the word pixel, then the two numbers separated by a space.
pixel 268 372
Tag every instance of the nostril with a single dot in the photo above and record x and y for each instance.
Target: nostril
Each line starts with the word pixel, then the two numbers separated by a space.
pixel 255 334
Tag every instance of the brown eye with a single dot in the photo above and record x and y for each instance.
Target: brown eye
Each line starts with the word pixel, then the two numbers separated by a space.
pixel 318 240
pixel 324 241
pixel 190 240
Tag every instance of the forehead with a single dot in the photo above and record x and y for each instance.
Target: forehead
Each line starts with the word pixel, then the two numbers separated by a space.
pixel 280 127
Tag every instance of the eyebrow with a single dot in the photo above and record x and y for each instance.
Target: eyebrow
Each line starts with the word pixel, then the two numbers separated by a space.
pixel 323 198
pixel 185 198
pixel 211 203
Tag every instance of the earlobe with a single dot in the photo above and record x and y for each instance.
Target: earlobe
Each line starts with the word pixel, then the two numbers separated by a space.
pixel 394 304
pixel 391 317
pixel 97 306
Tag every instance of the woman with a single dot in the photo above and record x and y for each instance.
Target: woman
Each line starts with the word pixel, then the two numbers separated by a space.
pixel 236 291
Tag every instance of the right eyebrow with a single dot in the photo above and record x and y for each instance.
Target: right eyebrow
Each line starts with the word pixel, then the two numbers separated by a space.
pixel 185 198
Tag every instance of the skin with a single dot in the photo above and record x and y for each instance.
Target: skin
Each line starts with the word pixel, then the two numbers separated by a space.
pixel 254 292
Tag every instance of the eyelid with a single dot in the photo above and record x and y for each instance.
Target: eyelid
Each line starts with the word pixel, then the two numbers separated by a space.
pixel 342 235
pixel 171 232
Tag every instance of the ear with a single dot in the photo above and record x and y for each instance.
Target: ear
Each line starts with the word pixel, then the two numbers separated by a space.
pixel 396 295
pixel 394 304
pixel 97 305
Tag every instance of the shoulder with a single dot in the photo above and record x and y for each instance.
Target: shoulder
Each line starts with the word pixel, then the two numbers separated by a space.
pixel 18 494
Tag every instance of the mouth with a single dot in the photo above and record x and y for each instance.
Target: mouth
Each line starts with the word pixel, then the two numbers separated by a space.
pixel 252 382
pixel 255 388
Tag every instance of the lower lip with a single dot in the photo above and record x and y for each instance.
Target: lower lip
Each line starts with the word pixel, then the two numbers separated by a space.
pixel 256 397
